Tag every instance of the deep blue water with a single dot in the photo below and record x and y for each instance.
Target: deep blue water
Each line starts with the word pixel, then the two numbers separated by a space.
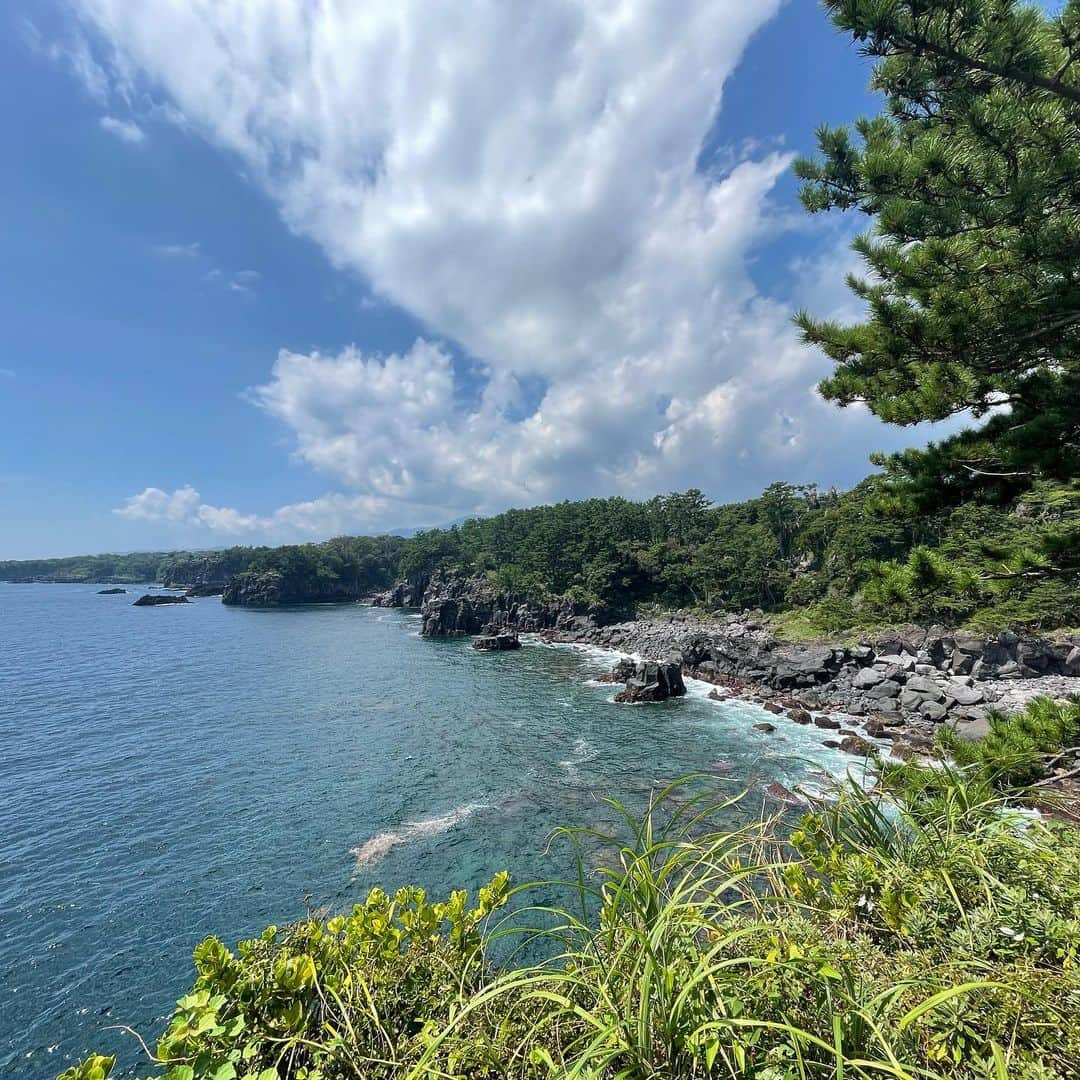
pixel 166 773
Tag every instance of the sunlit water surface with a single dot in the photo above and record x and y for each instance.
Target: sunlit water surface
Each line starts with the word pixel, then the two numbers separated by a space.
pixel 171 772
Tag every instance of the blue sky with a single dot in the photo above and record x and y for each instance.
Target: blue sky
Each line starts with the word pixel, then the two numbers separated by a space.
pixel 348 271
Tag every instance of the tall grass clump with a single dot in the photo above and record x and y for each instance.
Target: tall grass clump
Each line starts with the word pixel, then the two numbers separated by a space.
pixel 925 929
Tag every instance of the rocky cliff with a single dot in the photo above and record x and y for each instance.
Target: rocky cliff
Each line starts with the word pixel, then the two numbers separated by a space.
pixel 926 674
pixel 204 573
pixel 453 605
pixel 272 588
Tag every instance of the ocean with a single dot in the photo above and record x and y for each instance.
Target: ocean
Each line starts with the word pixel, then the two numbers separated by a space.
pixel 168 773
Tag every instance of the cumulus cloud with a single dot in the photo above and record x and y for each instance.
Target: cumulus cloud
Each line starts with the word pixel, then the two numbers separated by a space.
pixel 526 179
pixel 153 504
pixel 329 515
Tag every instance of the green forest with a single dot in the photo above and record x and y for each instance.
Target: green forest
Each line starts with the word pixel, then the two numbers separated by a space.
pixel 822 561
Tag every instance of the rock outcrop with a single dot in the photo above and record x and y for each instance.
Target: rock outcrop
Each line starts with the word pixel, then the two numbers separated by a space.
pixel 111 592
pixel 919 676
pixel 272 588
pixel 204 570
pixel 206 589
pixel 157 599
pixel 494 640
pixel 454 606
pixel 405 594
pixel 653 680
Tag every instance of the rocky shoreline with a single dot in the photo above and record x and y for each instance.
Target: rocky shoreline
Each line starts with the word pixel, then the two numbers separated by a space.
pixel 896 686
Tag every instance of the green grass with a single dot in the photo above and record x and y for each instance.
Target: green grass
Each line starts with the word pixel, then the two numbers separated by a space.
pixel 923 930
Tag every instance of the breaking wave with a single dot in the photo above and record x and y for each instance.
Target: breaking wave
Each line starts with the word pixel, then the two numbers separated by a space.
pixel 371 851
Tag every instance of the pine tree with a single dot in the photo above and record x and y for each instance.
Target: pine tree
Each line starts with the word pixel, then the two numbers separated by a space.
pixel 972 177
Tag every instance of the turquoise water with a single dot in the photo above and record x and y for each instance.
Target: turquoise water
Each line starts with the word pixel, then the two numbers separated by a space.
pixel 166 773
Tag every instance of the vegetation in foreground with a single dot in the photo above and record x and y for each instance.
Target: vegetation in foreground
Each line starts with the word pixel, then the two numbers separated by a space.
pixel 929 928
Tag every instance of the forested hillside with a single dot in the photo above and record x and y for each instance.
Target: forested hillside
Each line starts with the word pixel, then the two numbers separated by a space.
pixel 867 556
pixel 139 566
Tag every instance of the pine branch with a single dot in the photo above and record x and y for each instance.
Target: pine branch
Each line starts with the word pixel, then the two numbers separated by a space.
pixel 1002 71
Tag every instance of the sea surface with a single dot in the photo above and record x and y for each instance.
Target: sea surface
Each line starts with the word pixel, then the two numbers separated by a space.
pixel 172 772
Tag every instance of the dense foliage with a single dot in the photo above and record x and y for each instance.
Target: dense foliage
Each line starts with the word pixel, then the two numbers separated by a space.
pixel 345 568
pixel 206 567
pixel 922 930
pixel 123 569
pixel 862 557
pixel 839 560
pixel 973 259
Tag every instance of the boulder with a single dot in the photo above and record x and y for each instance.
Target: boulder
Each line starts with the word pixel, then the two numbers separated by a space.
pixel 623 670
pixel 803 665
pixel 901 662
pixel 932 710
pixel 856 744
pixel 800 716
pixel 779 793
pixel 501 642
pixel 969 643
pixel 767 728
pixel 827 723
pixel 771 706
pixel 921 684
pixel 111 592
pixel 867 677
pixel 911 700
pixel 903 750
pixel 653 680
pixel 964 695
pixel 887 689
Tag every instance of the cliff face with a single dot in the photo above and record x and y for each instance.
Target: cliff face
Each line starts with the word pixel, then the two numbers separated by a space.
pixel 454 605
pixel 209 570
pixel 272 588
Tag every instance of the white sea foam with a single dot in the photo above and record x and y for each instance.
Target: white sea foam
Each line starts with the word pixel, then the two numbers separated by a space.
pixel 583 751
pixel 371 851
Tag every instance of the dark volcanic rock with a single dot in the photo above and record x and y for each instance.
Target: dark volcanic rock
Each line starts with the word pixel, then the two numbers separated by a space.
pixel 210 569
pixel 273 588
pixel 453 606
pixel 781 794
pixel 111 592
pixel 767 728
pixel 856 744
pixel 405 594
pixel 499 642
pixel 207 589
pixel 653 680
pixel 151 600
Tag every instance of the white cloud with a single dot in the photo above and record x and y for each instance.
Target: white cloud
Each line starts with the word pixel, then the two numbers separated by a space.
pixel 179 251
pixel 153 504
pixel 330 515
pixel 125 130
pixel 524 179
